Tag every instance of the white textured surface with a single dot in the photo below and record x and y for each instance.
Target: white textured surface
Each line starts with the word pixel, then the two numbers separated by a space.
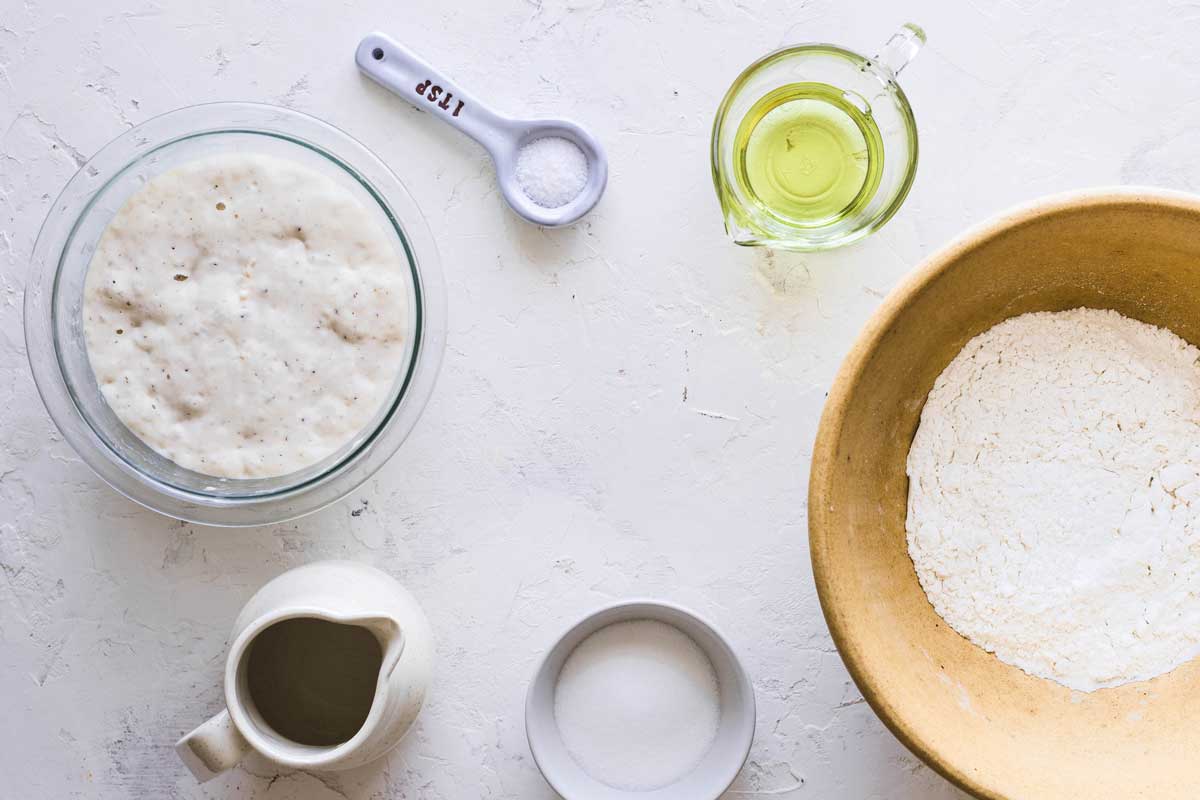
pixel 627 406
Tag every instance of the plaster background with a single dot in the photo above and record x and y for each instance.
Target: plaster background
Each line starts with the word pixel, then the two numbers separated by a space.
pixel 626 407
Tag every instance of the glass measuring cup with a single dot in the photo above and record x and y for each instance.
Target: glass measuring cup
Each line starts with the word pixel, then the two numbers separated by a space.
pixel 815 146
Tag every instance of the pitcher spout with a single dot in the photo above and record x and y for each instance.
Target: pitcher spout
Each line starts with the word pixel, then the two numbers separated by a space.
pixel 391 638
pixel 736 224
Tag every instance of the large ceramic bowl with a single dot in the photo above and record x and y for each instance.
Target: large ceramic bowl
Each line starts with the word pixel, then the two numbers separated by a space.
pixel 54 299
pixel 987 726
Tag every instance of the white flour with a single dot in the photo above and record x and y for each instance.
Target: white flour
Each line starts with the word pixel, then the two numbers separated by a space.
pixel 1054 497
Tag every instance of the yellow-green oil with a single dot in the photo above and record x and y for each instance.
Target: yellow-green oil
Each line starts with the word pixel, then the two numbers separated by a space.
pixel 809 154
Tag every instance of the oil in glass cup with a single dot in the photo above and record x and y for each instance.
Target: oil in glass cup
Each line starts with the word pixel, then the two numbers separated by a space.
pixel 815 146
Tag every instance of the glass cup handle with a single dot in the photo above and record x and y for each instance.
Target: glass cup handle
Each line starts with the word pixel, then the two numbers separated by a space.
pixel 901 48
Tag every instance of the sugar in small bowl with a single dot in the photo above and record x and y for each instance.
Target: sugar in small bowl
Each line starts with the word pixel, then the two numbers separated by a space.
pixel 640 699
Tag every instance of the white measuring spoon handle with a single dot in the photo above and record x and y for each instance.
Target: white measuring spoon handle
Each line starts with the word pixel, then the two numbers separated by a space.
pixel 400 70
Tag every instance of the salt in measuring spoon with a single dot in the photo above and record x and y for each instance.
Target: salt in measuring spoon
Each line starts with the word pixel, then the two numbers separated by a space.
pixel 398 69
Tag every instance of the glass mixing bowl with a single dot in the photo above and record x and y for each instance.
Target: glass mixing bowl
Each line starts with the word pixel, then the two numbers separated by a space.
pixel 54 300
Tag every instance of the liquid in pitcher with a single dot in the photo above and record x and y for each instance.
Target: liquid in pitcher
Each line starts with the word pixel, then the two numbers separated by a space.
pixel 313 681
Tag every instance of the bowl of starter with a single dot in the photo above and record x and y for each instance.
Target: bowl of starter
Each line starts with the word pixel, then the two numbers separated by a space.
pixel 1004 505
pixel 235 313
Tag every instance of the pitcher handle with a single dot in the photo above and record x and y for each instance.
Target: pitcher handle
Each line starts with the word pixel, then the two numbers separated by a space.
pixel 212 748
pixel 901 48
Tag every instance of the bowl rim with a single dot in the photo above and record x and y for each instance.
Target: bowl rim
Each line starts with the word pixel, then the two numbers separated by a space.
pixel 545 678
pixel 829 429
pixel 388 431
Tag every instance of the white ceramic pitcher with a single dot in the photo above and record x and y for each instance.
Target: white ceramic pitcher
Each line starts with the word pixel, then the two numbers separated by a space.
pixel 335 591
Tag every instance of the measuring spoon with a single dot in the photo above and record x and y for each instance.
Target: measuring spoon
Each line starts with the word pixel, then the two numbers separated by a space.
pixel 398 69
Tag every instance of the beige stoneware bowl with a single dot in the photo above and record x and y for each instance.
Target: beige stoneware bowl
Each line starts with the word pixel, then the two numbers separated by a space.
pixel 985 725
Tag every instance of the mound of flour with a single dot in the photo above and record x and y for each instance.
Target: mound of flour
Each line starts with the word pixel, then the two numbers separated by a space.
pixel 1054 497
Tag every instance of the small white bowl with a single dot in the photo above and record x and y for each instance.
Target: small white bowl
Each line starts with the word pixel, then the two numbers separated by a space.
pixel 720 765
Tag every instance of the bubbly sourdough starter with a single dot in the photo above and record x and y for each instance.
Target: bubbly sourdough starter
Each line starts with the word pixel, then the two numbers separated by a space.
pixel 245 316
